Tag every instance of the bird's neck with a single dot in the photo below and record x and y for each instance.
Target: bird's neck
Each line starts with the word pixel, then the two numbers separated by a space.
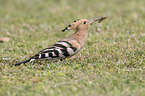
pixel 81 35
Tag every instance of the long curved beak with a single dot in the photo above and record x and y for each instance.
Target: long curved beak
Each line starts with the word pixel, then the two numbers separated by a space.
pixel 99 19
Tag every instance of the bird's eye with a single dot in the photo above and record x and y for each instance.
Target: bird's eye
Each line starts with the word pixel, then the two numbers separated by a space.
pixel 69 25
pixel 85 22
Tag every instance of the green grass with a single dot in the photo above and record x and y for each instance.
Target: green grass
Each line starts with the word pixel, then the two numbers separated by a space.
pixel 112 62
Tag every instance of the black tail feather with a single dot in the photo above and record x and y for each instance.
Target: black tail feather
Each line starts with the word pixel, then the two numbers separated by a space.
pixel 25 61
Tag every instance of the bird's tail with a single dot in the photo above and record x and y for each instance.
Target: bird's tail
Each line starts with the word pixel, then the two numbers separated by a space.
pixel 25 61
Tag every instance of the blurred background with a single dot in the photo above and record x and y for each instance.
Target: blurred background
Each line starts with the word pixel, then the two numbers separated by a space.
pixel 57 13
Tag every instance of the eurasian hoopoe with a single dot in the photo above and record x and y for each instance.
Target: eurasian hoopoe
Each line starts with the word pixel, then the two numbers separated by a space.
pixel 69 46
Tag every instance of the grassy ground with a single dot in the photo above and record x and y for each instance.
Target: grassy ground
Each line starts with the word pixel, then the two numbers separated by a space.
pixel 111 63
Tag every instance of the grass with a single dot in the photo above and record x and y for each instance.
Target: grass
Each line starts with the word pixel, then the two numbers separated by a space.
pixel 112 61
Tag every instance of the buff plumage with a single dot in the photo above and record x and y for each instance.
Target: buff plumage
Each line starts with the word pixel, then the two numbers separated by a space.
pixel 69 46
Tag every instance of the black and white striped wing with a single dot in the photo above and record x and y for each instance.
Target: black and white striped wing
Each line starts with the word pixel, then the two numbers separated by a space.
pixel 60 50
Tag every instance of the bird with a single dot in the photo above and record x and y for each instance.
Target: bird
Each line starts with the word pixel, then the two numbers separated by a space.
pixel 69 46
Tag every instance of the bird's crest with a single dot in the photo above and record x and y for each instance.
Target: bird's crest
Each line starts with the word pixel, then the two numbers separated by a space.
pixel 75 24
pixel 83 21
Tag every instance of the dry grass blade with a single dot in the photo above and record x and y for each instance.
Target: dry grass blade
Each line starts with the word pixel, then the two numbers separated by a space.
pixel 3 39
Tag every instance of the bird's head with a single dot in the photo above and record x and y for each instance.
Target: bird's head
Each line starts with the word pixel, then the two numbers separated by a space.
pixel 82 24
